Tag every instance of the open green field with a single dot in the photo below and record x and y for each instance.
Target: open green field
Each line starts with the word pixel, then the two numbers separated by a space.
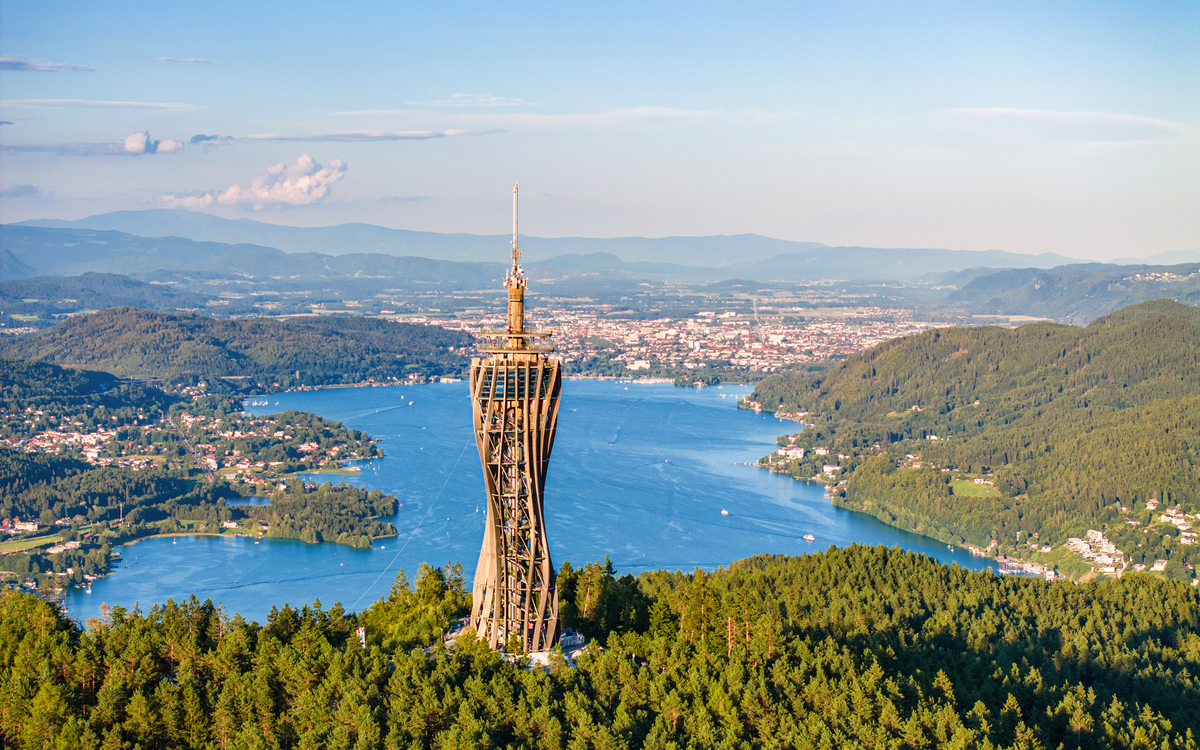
pixel 19 545
pixel 967 488
pixel 338 472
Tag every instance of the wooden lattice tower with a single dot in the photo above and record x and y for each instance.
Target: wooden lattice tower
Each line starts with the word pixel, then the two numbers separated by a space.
pixel 514 395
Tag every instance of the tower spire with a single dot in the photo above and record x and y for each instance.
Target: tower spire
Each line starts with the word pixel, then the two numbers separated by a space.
pixel 516 250
pixel 515 282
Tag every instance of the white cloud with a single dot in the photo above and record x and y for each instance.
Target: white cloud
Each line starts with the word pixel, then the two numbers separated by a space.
pixel 355 136
pixel 1108 147
pixel 471 100
pixel 304 184
pixel 141 143
pixel 1051 115
pixel 8 62
pixel 183 60
pixel 90 104
pixel 199 200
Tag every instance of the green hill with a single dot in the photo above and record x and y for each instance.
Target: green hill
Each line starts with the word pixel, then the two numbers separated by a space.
pixel 1070 422
pixel 254 352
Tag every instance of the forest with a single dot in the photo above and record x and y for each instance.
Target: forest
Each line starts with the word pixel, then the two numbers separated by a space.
pixel 1069 424
pixel 248 354
pixel 862 647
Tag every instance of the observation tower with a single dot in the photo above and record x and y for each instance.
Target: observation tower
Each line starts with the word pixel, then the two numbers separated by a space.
pixel 514 397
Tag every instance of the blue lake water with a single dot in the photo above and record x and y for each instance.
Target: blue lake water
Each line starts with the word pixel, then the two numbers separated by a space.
pixel 639 472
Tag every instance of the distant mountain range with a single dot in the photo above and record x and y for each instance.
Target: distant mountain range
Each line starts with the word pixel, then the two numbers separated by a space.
pixel 344 239
pixel 68 252
pixel 687 259
pixel 1164 259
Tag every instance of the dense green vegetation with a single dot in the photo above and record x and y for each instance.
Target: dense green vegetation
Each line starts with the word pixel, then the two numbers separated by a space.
pixel 853 648
pixel 252 353
pixel 1070 423
pixel 36 396
pixel 344 514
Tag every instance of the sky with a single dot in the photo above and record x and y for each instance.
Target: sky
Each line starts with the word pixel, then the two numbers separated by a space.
pixel 1067 127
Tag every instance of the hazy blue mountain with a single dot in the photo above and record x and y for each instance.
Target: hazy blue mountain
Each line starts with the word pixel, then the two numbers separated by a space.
pixel 343 239
pixel 886 264
pixel 746 256
pixel 1078 293
pixel 993 283
pixel 311 266
pixel 1164 259
pixel 67 252
pixel 609 264
pixel 12 268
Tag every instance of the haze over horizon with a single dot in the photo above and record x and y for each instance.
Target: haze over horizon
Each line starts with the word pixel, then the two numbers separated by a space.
pixel 1072 129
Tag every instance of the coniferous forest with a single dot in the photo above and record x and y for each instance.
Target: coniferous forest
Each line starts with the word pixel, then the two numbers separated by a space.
pixel 851 648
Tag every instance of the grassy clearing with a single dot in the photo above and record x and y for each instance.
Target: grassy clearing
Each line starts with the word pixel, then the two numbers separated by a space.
pixel 968 488
pixel 19 545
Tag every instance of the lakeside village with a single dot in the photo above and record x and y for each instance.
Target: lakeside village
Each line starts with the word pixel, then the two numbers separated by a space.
pixel 254 454
pixel 1095 550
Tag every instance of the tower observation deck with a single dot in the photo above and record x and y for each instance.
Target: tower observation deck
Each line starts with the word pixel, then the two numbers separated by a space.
pixel 515 388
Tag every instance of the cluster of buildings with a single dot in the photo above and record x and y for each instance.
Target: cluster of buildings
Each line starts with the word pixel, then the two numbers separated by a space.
pixel 91 444
pixel 1182 521
pixel 54 441
pixel 1098 551
pixel 742 340
pixel 17 526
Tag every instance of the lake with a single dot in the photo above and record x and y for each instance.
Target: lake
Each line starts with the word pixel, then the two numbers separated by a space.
pixel 639 472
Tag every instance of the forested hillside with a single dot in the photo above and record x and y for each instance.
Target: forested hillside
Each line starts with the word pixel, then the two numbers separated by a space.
pixel 1071 424
pixel 35 396
pixel 853 648
pixel 254 352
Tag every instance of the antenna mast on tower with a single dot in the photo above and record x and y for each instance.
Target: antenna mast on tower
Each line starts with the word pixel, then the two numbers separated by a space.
pixel 516 250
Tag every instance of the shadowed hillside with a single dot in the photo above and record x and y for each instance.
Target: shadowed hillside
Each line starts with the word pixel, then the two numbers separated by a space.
pixel 255 351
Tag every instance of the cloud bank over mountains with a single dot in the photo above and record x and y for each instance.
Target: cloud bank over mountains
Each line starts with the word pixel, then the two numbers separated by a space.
pixel 304 184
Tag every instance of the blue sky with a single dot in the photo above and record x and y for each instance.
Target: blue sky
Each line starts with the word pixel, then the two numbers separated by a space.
pixel 1032 127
